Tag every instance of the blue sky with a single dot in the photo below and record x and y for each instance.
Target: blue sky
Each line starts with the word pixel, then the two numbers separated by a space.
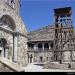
pixel 39 13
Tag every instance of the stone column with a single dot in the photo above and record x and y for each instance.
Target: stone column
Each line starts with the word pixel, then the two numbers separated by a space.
pixel 15 49
pixel 66 19
pixel 43 46
pixel 2 52
pixel 49 46
pixel 73 55
pixel 6 53
pixel 35 47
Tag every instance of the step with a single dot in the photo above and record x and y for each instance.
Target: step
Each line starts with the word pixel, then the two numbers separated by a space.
pixel 6 65
pixel 55 66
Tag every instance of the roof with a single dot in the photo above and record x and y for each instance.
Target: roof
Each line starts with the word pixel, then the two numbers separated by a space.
pixel 43 34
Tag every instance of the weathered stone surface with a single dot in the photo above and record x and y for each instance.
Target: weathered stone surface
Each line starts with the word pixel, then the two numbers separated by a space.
pixel 8 66
pixel 53 65
pixel 11 25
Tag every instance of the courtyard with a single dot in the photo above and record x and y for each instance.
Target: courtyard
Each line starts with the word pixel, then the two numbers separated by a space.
pixel 36 68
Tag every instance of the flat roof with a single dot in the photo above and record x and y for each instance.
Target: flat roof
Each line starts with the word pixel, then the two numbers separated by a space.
pixel 63 11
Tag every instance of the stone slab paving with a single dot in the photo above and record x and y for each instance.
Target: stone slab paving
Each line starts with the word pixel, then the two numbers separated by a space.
pixel 35 68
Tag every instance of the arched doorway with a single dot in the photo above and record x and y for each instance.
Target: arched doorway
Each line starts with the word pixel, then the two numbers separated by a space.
pixel 46 46
pixel 3 44
pixel 40 47
pixel 30 58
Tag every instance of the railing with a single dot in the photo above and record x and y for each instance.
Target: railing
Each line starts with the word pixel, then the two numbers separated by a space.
pixel 39 49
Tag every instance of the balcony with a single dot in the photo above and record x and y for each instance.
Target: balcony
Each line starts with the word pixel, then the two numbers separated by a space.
pixel 39 50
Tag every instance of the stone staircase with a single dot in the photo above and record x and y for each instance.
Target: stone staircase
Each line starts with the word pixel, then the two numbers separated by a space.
pixel 8 66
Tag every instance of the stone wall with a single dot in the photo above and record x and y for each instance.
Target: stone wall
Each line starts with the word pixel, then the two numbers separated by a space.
pixel 7 10
pixel 22 51
pixel 46 56
pixel 9 39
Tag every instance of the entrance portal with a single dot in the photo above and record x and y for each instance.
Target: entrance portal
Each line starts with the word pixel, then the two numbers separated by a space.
pixel 58 56
pixel 3 44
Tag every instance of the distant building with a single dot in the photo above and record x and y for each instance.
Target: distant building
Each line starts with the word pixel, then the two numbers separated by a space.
pixel 13 34
pixel 55 43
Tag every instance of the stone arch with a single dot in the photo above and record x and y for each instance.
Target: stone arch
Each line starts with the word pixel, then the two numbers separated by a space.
pixel 8 20
pixel 3 48
pixel 3 42
pixel 40 47
pixel 46 46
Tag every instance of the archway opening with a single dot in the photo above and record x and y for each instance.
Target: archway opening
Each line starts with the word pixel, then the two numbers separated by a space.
pixel 46 46
pixel 40 47
pixel 3 44
pixel 8 22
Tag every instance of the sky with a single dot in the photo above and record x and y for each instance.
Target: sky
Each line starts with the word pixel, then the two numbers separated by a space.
pixel 39 13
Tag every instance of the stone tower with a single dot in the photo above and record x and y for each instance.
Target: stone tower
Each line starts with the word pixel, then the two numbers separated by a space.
pixel 13 38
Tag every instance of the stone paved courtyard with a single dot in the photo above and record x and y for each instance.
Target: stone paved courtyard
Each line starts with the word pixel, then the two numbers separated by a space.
pixel 35 68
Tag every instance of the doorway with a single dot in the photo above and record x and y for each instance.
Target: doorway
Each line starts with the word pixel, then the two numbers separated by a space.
pixel 31 58
pixel 58 57
pixel 41 59
pixel 3 44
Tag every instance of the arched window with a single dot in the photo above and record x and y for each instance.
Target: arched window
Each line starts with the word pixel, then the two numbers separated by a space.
pixel 31 46
pixel 46 46
pixel 40 47
pixel 8 22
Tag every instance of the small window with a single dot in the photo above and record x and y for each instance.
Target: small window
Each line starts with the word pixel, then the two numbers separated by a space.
pixel 11 3
pixel 46 46
pixel 40 47
pixel 30 45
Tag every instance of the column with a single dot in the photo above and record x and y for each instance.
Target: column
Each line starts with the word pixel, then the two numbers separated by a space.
pixel 66 19
pixel 43 46
pixel 49 46
pixel 15 49
pixel 6 53
pixel 35 48
pixel 2 52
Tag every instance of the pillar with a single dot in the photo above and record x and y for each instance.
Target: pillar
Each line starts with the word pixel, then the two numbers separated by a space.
pixel 43 46
pixel 66 19
pixel 15 49
pixel 2 52
pixel 73 55
pixel 35 47
pixel 49 46
pixel 6 53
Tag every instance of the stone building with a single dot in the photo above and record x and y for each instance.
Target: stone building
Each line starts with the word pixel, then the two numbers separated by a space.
pixel 54 43
pixel 13 34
